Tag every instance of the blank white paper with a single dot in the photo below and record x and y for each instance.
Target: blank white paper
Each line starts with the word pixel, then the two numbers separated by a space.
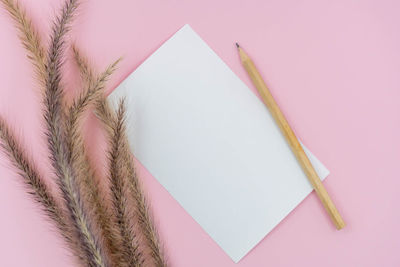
pixel 204 135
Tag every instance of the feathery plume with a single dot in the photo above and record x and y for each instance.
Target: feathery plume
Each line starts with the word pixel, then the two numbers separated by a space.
pixel 31 42
pixel 85 71
pixel 29 38
pixel 95 197
pixel 94 91
pixel 67 151
pixel 118 188
pixel 143 214
pixel 103 110
pixel 81 163
pixel 106 115
pixel 36 186
pixel 144 217
pixel 83 225
pixel 79 106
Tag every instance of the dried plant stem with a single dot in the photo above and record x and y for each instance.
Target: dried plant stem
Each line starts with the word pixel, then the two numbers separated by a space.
pixel 36 185
pixel 103 111
pixel 142 214
pixel 83 225
pixel 31 42
pixel 107 116
pixel 81 163
pixel 85 71
pixel 145 220
pixel 144 217
pixel 93 92
pixel 119 191
pixel 75 177
pixel 95 197
pixel 29 38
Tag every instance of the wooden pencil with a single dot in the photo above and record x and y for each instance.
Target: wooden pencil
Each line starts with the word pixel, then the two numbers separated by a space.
pixel 291 139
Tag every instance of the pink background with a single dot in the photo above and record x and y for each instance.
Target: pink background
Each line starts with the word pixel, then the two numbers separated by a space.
pixel 334 68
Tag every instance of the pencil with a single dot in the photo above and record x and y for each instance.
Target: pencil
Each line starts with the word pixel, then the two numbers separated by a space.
pixel 291 139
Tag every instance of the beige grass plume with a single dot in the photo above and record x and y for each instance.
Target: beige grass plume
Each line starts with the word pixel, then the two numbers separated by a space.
pixel 92 244
pixel 97 236
pixel 119 188
pixel 31 41
pixel 88 181
pixel 144 218
pixel 29 38
pixel 36 186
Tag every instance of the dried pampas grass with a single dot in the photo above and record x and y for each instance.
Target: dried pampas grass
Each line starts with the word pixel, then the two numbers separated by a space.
pixel 120 195
pixel 102 228
pixel 143 215
pixel 81 162
pixel 29 38
pixel 34 182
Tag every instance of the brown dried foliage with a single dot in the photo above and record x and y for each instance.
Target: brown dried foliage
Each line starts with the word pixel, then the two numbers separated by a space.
pixel 99 233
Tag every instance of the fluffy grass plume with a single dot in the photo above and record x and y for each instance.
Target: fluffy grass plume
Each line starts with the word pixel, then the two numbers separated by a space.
pixel 80 160
pixel 29 38
pixel 145 220
pixel 98 235
pixel 36 186
pixel 143 214
pixel 91 243
pixel 119 189
pixel 31 42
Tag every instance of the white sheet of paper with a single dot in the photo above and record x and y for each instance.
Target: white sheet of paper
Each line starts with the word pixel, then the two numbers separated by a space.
pixel 204 135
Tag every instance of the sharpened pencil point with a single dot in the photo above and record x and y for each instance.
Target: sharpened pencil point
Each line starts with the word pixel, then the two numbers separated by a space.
pixel 237 45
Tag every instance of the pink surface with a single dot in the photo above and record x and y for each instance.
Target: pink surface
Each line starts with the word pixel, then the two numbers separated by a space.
pixel 334 68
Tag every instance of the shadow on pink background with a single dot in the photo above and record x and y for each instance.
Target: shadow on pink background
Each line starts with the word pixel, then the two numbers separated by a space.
pixel 333 66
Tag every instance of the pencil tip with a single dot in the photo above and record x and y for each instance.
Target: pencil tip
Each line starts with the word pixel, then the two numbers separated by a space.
pixel 237 45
